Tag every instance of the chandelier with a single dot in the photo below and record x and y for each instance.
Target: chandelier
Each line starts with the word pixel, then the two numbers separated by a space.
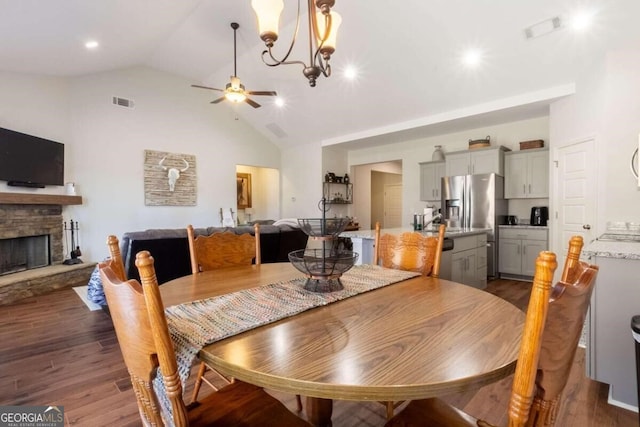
pixel 323 28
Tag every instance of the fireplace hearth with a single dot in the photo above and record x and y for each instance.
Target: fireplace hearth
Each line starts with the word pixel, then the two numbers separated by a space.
pixel 33 224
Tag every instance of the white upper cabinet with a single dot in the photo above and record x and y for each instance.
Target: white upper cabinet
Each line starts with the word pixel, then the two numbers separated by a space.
pixel 526 174
pixel 431 174
pixel 477 161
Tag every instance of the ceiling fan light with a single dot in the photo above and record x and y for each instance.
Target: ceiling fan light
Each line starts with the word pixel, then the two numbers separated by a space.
pixel 268 14
pixel 329 45
pixel 236 97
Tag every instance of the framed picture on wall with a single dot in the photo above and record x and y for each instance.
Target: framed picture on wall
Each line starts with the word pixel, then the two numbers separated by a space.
pixel 243 181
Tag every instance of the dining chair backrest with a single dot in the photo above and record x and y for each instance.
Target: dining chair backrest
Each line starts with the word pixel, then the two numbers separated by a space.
pixel 224 249
pixel 570 299
pixel 410 251
pixel 138 317
pixel 548 345
pixel 115 260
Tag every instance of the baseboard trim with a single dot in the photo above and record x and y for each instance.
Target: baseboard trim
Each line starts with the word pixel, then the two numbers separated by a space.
pixel 612 401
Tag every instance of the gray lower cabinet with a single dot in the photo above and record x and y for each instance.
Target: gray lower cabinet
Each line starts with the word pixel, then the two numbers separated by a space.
pixel 610 345
pixel 518 249
pixel 467 261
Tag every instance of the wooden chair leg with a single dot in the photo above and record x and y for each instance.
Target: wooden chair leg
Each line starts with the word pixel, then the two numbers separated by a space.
pixel 390 409
pixel 198 383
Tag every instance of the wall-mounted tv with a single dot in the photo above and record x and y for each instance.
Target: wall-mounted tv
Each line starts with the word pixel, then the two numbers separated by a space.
pixel 30 161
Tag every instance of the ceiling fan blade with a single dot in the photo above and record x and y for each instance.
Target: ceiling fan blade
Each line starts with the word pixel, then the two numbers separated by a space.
pixel 215 101
pixel 207 87
pixel 261 92
pixel 251 102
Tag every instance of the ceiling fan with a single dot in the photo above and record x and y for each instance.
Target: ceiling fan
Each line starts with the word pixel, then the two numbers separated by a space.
pixel 234 91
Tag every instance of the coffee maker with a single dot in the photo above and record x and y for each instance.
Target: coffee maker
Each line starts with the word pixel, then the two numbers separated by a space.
pixel 539 215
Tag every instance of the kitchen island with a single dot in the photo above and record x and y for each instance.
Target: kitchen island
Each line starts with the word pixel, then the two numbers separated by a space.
pixel 615 299
pixel 465 263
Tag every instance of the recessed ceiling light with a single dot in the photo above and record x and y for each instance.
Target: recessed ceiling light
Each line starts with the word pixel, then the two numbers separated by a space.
pixel 582 20
pixel 350 73
pixel 91 44
pixel 279 102
pixel 472 58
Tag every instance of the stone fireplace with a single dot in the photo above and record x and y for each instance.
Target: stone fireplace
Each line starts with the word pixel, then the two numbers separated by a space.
pixel 31 246
pixel 33 235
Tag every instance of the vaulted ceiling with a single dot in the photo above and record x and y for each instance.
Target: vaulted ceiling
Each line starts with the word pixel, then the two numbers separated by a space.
pixel 407 54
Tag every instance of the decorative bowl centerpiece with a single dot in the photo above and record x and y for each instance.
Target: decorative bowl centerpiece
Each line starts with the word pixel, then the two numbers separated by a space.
pixel 323 267
pixel 327 228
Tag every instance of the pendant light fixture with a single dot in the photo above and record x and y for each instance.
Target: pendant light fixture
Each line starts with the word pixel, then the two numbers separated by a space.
pixel 323 27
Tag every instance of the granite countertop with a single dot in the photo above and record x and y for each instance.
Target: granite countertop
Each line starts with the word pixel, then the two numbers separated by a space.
pixel 452 233
pixel 614 244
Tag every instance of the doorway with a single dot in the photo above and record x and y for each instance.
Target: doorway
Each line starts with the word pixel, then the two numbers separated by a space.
pixel 260 196
pixel 386 199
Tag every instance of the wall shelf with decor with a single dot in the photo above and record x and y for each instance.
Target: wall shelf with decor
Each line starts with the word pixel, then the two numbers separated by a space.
pixel 337 193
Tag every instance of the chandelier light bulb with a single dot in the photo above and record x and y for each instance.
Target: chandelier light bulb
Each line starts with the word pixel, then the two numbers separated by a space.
pixel 323 26
pixel 268 13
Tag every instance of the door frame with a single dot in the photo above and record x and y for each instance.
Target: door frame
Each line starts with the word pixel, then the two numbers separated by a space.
pixel 555 232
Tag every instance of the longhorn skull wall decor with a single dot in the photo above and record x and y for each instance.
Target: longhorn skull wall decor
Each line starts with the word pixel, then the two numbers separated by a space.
pixel 169 179
pixel 174 173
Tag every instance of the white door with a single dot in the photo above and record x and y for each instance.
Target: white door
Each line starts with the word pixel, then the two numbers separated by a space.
pixel 576 183
pixel 392 206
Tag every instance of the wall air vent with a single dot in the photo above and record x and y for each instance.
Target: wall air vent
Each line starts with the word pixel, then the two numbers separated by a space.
pixel 123 102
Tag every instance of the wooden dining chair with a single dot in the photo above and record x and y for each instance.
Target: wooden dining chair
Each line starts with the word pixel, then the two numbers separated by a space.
pixel 219 250
pixel 225 249
pixel 552 329
pixel 410 251
pixel 138 317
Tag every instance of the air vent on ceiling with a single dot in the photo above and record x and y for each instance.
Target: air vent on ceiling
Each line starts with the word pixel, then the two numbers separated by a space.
pixel 541 28
pixel 276 130
pixel 123 102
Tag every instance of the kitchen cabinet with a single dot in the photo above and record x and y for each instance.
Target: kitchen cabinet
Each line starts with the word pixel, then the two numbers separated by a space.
pixel 518 249
pixel 467 261
pixel 526 174
pixel 476 161
pixel 610 354
pixel 431 174
pixel 337 192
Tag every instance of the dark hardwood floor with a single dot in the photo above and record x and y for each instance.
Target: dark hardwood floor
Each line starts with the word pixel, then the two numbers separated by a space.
pixel 53 350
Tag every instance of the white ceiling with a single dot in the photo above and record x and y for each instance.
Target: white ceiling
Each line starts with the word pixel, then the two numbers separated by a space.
pixel 410 77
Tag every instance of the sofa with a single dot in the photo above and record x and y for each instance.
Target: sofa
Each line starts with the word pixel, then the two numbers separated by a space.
pixel 170 250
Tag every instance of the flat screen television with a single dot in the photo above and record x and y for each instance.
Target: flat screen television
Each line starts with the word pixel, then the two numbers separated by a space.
pixel 30 161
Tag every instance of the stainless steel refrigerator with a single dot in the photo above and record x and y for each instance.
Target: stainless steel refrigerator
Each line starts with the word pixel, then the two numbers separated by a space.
pixel 476 201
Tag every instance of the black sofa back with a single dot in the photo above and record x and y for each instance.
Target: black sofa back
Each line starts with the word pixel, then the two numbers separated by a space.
pixel 170 247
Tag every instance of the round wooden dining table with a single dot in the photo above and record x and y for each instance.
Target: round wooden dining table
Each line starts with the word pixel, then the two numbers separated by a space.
pixel 419 338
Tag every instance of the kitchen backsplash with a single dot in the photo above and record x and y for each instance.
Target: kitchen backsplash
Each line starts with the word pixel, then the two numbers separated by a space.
pixel 522 208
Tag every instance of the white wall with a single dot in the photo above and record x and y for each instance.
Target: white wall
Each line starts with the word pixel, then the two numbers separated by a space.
pixel 606 107
pixel 302 178
pixel 35 105
pixel 105 146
